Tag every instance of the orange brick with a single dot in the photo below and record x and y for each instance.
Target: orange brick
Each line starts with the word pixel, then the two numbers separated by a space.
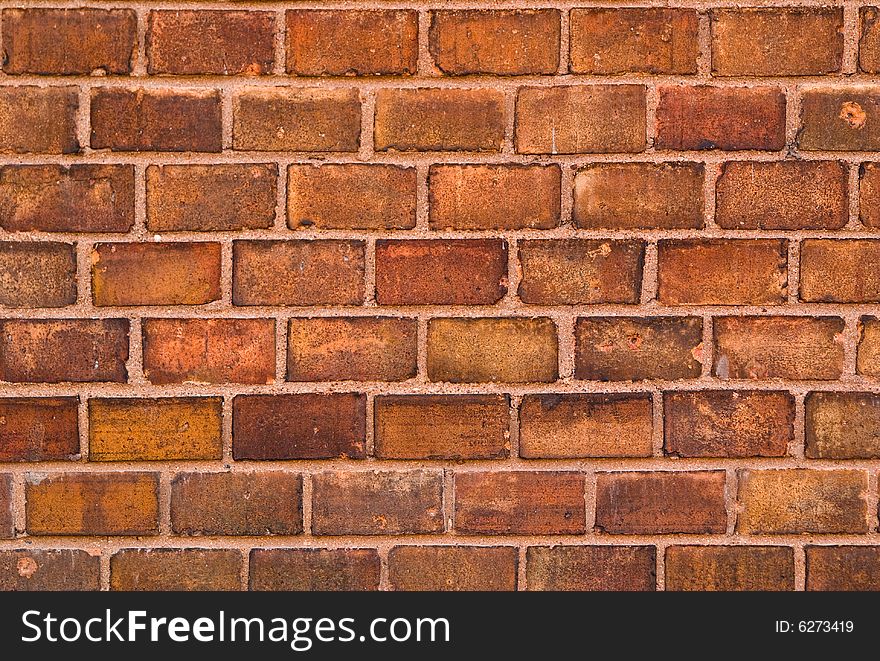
pixel 37 275
pixel 840 271
pixel 38 120
pixel 843 568
pixel 39 429
pixel 868 359
pixel 869 40
pixel 63 569
pixel 840 120
pixel 591 568
pixel 842 425
pixel 189 570
pixel 453 568
pixel 869 194
pixel 349 570
pixel 729 568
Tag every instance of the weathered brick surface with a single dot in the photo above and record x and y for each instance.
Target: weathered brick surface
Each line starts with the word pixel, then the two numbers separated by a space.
pixel 616 568
pixel 840 120
pixel 843 425
pixel 840 271
pixel 348 570
pixel 39 120
pixel 34 570
pixel 843 568
pixel 38 429
pixel 453 568
pixel 729 568
pixel 868 358
pixel 37 275
pixel 7 523
pixel 191 570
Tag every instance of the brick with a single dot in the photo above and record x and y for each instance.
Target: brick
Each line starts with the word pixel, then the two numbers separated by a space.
pixel 840 120
pixel 730 118
pixel 455 427
pixel 797 500
pixel 236 504
pixel 869 40
pixel 728 423
pixel 722 271
pixel 38 120
pixel 782 195
pixel 581 271
pixel 69 41
pixel 581 119
pixel 166 429
pixel 776 42
pixel 840 271
pixel 843 568
pixel 7 526
pixel 377 503
pixel 38 429
pixel 351 196
pixel 63 350
pixel 612 41
pixel 868 358
pixel 302 119
pixel 34 570
pixel 639 196
pixel 210 42
pixel 453 568
pixel 869 194
pixel 349 570
pixel 155 273
pixel 299 426
pixel 778 347
pixel 352 349
pixel 431 119
pixel 484 197
pixel 37 275
pixel 730 568
pixel 501 42
pixel 92 504
pixel 326 272
pixel 520 503
pixel 843 425
pixel 156 120
pixel 76 198
pixel 591 568
pixel 352 42
pixel 189 570
pixel 638 348
pixel 585 425
pixel 448 272
pixel 211 198
pixel 209 350
pixel 506 350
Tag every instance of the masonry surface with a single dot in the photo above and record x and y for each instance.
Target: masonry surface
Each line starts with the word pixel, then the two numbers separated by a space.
pixel 439 295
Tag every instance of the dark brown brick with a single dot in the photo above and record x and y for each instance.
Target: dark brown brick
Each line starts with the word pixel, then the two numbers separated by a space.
pixel 843 425
pixel 729 568
pixel 37 275
pixel 348 570
pixel 840 271
pixel 7 525
pixel 840 119
pixel 843 568
pixel 33 570
pixel 591 568
pixel 869 194
pixel 869 40
pixel 38 120
pixel 38 429
pixel 189 570
pixel 453 568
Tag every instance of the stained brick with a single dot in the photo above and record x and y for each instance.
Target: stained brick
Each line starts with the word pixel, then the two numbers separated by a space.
pixel 38 429
pixel 840 120
pixel 843 425
pixel 840 271
pixel 591 568
pixel 729 568
pixel 38 120
pixel 189 570
pixel 7 526
pixel 868 358
pixel 453 568
pixel 869 40
pixel 37 275
pixel 869 194
pixel 34 570
pixel 349 570
pixel 843 568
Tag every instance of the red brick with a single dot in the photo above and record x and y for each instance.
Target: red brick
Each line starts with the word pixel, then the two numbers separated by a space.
pixel 611 41
pixel 38 120
pixel 638 348
pixel 236 504
pixel 840 271
pixel 869 194
pixel 581 271
pixel 39 429
pixel 501 42
pixel 59 198
pixel 31 570
pixel 209 350
pixel 777 42
pixel 483 197
pixel 155 273
pixel 843 425
pixel 778 347
pixel 449 272
pixel 585 425
pixel 453 568
pixel 92 504
pixel 377 503
pixel 348 570
pixel 210 42
pixel 7 527
pixel 782 195
pixel 729 568
pixel 189 570
pixel 591 568
pixel 840 120
pixel 211 198
pixel 352 42
pixel 351 196
pixel 69 41
pixel 431 119
pixel 507 350
pixel 63 350
pixel 794 501
pixel 37 275
pixel 639 196
pixel 327 272
pixel 843 568
pixel 868 359
pixel 442 426
pixel 722 271
pixel 869 40
pixel 156 120
pixel 301 119
pixel 728 423
pixel 300 426
pixel 730 118
pixel 580 119
pixel 645 503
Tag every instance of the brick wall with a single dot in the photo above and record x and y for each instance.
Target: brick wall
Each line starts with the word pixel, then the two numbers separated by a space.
pixel 397 295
